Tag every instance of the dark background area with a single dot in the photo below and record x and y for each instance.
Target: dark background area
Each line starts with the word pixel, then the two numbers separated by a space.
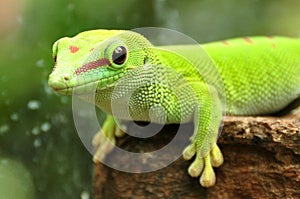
pixel 37 131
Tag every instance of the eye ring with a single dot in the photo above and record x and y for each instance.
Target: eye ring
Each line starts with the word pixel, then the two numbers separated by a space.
pixel 54 58
pixel 119 55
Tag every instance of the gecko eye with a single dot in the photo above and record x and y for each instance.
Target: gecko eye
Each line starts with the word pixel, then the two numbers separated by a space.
pixel 119 55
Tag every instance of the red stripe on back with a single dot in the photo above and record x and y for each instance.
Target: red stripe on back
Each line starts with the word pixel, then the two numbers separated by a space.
pixel 92 65
pixel 225 43
pixel 273 45
pixel 248 40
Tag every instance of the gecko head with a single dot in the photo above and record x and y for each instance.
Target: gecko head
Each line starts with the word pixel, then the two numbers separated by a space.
pixel 95 59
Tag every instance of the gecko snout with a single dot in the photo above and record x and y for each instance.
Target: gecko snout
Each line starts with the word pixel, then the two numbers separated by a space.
pixel 59 82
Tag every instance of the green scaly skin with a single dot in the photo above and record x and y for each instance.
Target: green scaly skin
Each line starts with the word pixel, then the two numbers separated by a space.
pixel 261 75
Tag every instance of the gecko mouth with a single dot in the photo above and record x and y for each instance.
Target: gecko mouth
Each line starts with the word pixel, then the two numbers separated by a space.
pixel 85 88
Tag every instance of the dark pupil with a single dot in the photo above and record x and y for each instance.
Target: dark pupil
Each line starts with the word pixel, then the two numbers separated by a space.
pixel 119 55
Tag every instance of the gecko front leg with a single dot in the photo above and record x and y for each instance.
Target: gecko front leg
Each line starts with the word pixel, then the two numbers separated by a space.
pixel 104 141
pixel 203 147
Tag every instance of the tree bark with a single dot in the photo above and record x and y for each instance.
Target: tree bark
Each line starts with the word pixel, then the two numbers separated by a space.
pixel 261 160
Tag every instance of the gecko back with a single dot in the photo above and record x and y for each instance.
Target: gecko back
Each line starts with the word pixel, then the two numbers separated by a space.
pixel 261 75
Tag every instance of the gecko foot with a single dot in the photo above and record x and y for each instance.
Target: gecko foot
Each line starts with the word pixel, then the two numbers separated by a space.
pixel 203 166
pixel 104 141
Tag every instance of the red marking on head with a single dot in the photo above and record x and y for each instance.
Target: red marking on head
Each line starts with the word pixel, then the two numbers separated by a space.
pixel 92 65
pixel 73 49
pixel 225 43
pixel 248 40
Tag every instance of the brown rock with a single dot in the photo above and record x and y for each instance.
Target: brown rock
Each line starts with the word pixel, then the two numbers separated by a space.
pixel 262 160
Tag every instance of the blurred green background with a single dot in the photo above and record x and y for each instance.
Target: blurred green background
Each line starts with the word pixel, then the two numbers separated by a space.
pixel 37 133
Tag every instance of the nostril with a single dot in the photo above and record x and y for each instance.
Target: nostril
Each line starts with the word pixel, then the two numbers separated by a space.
pixel 66 78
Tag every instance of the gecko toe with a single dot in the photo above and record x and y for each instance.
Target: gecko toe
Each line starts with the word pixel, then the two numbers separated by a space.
pixel 216 156
pixel 208 177
pixel 196 167
pixel 189 152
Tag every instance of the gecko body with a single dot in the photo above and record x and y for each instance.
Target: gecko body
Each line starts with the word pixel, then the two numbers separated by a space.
pixel 250 76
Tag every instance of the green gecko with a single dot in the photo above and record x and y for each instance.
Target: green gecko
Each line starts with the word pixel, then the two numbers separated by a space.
pixel 261 75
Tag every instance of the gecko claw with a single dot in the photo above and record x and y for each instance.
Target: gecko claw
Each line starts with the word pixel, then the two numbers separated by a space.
pixel 103 149
pixel 189 152
pixel 216 156
pixel 119 132
pixel 203 166
pixel 104 141
pixel 208 177
pixel 196 167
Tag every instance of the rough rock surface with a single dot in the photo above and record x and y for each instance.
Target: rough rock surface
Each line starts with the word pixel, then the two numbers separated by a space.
pixel 262 160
